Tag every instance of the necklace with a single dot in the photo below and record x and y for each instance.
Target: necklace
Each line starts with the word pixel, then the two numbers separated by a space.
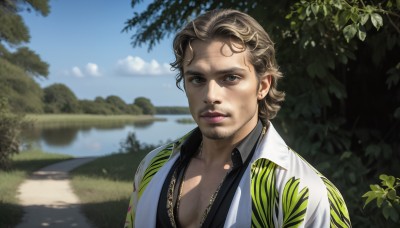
pixel 171 188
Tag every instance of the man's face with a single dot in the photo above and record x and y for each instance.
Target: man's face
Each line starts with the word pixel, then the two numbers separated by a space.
pixel 222 89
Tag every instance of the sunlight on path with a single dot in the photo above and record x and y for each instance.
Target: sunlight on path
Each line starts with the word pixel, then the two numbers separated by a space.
pixel 48 199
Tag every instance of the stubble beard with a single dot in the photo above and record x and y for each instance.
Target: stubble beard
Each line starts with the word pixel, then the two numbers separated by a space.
pixel 214 134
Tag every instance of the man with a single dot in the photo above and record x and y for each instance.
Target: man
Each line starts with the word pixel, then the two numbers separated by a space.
pixel 234 170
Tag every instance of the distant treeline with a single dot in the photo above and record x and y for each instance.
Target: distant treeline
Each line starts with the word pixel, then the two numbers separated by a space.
pixel 58 98
pixel 172 110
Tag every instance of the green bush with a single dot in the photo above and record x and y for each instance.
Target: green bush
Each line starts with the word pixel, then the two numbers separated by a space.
pixel 386 197
pixel 10 125
pixel 132 145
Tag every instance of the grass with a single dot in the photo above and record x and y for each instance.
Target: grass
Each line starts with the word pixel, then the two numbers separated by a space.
pixel 104 187
pixel 185 121
pixel 23 165
pixel 56 120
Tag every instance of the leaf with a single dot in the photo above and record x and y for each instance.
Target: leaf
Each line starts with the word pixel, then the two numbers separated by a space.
pixel 344 18
pixel 375 187
pixel 376 20
pixel 370 196
pixel 345 155
pixel 386 212
pixel 387 180
pixel 391 194
pixel 315 8
pixel 337 4
pixel 325 9
pixel 379 201
pixel 354 17
pixel 361 33
pixel 389 212
pixel 349 32
pixel 364 19
pixel 308 11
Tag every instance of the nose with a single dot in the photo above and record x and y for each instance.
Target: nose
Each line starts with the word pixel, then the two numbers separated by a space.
pixel 212 93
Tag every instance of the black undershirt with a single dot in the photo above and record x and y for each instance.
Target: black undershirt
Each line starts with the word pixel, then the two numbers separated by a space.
pixel 219 209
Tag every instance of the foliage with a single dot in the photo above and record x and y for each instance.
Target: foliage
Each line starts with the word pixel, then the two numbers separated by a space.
pixel 186 121
pixel 172 110
pixel 18 65
pixel 14 33
pixel 134 109
pixel 132 145
pixel 146 105
pixel 90 107
pixel 112 105
pixel 117 105
pixel 22 92
pixel 386 197
pixel 29 61
pixel 341 65
pixel 58 98
pixel 10 125
pixel 13 29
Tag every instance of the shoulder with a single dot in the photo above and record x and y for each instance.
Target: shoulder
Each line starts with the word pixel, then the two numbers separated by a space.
pixel 325 202
pixel 163 152
pixel 156 158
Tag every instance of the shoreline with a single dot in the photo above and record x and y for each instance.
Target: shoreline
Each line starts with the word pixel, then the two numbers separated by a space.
pixel 48 120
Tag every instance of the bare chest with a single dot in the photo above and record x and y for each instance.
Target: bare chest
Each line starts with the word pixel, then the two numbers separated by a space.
pixel 198 192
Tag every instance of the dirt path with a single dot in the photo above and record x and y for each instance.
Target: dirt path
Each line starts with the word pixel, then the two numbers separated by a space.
pixel 48 199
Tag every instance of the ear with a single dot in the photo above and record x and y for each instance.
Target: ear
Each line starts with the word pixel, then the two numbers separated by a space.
pixel 265 84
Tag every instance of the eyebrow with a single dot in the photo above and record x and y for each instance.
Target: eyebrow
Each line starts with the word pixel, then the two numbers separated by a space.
pixel 224 71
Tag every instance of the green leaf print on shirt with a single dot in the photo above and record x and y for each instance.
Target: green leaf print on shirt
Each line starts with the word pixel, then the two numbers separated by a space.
pixel 264 194
pixel 294 203
pixel 156 163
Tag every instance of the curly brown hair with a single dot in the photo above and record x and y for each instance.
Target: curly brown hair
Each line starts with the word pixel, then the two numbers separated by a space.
pixel 241 27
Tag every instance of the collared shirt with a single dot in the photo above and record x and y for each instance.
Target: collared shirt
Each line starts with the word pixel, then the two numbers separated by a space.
pixel 278 189
pixel 240 156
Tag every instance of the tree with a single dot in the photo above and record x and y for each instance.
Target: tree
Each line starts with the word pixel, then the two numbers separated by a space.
pixel 146 105
pixel 12 27
pixel 22 92
pixel 134 109
pixel 19 65
pixel 10 126
pixel 117 105
pixel 29 61
pixel 58 98
pixel 342 70
pixel 14 32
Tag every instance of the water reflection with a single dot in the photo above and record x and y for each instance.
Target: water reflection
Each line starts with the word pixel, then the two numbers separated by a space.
pixel 59 136
pixel 102 139
pixel 143 125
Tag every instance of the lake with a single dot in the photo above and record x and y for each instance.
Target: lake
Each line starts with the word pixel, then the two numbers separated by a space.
pixel 102 140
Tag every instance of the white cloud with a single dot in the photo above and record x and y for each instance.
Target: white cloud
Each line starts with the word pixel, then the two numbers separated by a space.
pixel 77 72
pixel 134 65
pixel 92 69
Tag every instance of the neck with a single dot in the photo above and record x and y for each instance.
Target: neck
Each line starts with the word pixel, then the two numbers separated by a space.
pixel 214 152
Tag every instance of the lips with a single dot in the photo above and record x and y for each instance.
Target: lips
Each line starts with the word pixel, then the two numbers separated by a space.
pixel 213 116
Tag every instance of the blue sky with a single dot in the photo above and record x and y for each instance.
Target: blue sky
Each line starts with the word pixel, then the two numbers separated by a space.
pixel 86 50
